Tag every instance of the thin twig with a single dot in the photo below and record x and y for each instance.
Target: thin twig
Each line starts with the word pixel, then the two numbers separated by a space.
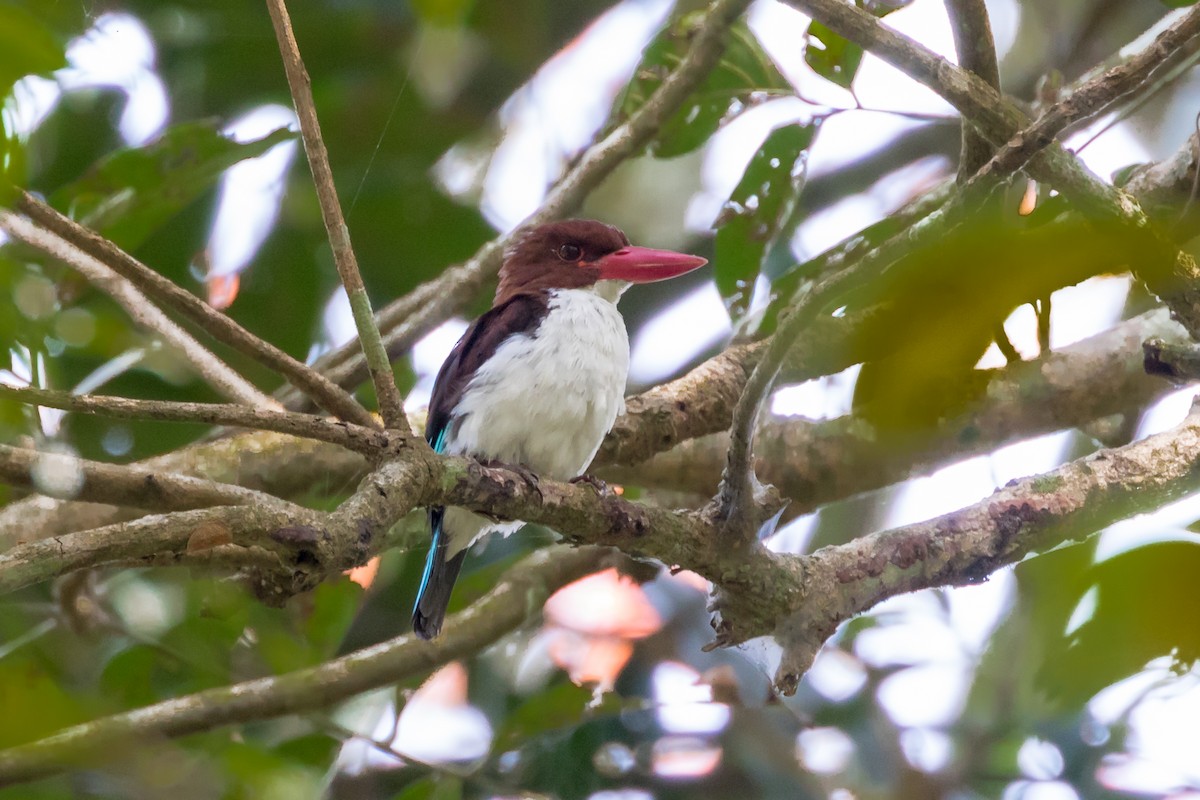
pixel 1094 97
pixel 353 437
pixel 977 53
pixel 217 373
pixel 391 405
pixel 61 475
pixel 409 318
pixel 1042 306
pixel 520 592
pixel 324 392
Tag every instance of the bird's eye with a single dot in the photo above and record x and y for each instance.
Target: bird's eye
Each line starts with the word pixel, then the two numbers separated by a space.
pixel 569 252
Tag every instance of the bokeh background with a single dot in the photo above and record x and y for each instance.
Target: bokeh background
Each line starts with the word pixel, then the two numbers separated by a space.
pixel 447 121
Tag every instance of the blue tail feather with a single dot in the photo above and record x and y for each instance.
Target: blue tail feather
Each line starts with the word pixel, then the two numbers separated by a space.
pixel 440 572
pixel 435 524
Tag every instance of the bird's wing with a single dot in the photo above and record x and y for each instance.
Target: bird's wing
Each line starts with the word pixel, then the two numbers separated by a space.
pixel 518 314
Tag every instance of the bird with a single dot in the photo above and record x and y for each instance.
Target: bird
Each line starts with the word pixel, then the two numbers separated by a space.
pixel 538 380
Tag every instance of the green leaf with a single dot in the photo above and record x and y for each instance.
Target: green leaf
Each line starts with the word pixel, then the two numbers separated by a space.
pixel 935 318
pixel 335 603
pixel 561 707
pixel 832 57
pixel 1178 3
pixel 128 195
pixel 34 701
pixel 1146 607
pixel 745 74
pixel 754 215
pixel 26 47
pixel 434 787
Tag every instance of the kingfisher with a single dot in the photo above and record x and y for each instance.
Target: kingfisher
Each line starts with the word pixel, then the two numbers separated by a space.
pixel 538 380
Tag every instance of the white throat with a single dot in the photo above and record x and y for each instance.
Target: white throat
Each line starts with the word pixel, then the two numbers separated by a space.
pixel 610 290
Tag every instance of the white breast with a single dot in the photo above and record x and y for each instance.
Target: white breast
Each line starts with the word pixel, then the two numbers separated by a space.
pixel 546 400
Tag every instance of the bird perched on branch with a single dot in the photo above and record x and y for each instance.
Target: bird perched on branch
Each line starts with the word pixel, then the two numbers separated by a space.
pixel 538 380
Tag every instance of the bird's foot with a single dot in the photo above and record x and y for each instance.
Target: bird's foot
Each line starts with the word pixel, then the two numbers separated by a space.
pixel 602 488
pixel 529 476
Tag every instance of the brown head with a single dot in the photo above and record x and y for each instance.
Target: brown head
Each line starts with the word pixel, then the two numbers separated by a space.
pixel 577 253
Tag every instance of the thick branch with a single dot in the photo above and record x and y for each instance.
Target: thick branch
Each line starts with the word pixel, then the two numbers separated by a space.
pixel 520 593
pixel 57 474
pixel 756 589
pixel 147 538
pixel 411 317
pixel 813 463
pixel 324 392
pixel 276 463
pixel 391 405
pixel 218 374
pixel 1032 515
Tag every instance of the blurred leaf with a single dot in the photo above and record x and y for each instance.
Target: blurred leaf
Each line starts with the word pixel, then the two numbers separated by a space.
pixel 942 302
pixel 834 57
pixel 1178 3
pixel 750 222
pixel 32 695
pixel 435 787
pixel 26 47
pixel 264 771
pixel 131 193
pixel 1146 607
pixel 335 603
pixel 131 677
pixel 744 75
pixel 558 708
pixel 442 12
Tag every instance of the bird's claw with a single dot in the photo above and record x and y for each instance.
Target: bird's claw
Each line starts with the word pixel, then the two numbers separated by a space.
pixel 529 476
pixel 602 488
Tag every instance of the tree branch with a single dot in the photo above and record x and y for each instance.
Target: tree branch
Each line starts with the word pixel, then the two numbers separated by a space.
pixel 285 466
pixel 520 593
pixel 218 374
pixel 391 405
pixel 151 537
pixel 276 463
pixel 816 462
pixel 740 493
pixel 1032 515
pixel 976 53
pixel 120 484
pixel 799 599
pixel 320 389
pixel 1095 96
pixel 353 437
pixel 1170 273
pixel 410 317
